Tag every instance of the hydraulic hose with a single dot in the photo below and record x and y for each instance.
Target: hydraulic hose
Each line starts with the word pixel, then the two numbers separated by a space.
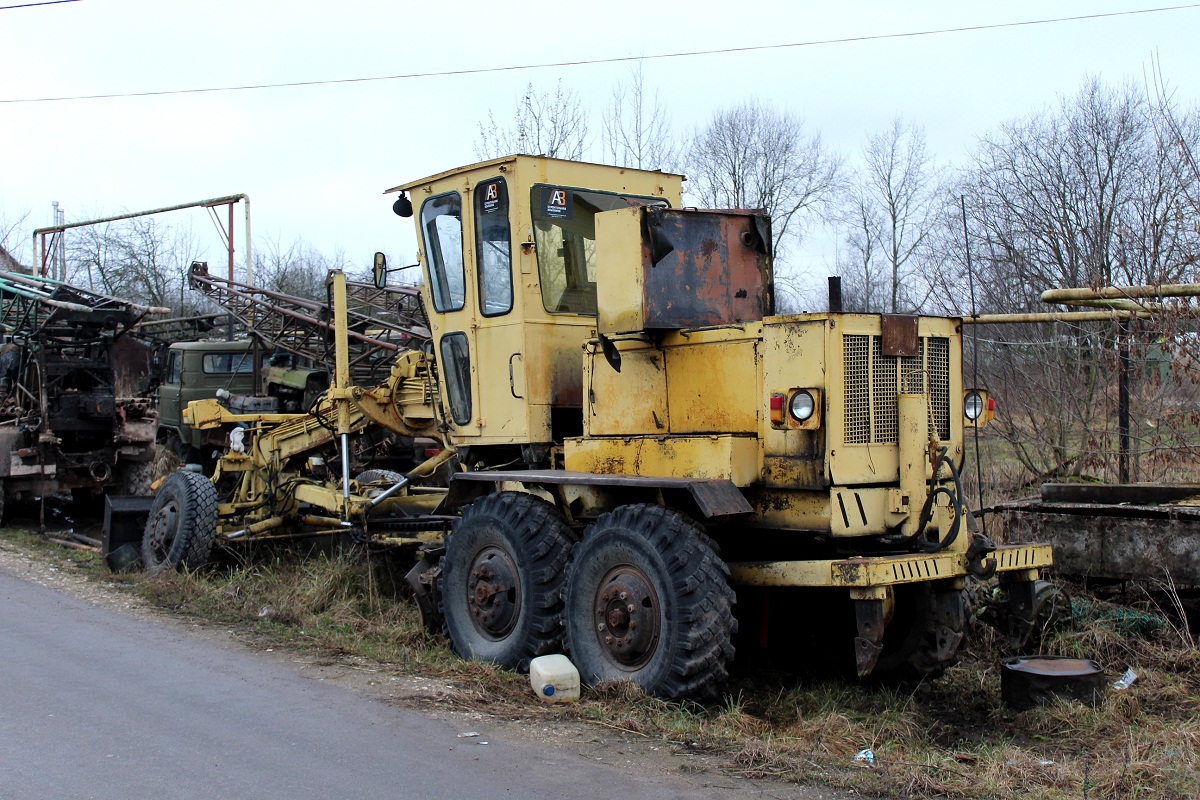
pixel 955 496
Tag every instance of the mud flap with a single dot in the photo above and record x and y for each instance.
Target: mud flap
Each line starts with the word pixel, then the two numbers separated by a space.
pixel 950 614
pixel 1022 611
pixel 425 580
pixel 869 613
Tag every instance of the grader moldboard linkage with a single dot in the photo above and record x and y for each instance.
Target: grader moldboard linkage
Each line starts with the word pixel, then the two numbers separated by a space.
pixel 638 441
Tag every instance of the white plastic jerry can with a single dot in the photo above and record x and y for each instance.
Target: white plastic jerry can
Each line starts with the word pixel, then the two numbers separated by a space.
pixel 554 679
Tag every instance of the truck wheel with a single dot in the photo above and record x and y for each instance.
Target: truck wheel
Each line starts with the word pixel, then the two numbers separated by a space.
pixel 648 600
pixel 136 478
pixel 502 580
pixel 182 525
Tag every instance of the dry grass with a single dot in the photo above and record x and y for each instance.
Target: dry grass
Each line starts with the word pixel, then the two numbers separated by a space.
pixel 947 738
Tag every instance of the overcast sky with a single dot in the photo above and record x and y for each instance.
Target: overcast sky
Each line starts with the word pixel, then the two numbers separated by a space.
pixel 315 159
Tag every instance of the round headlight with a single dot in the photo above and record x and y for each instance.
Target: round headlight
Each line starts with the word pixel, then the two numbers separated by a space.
pixel 802 406
pixel 973 406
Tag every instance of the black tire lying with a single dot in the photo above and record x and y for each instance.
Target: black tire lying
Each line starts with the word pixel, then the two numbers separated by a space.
pixel 648 600
pixel 502 580
pixel 182 525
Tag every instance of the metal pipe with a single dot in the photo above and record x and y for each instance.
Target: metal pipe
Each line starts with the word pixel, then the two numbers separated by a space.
pixel 36 286
pixel 1060 316
pixel 346 469
pixel 1069 296
pixel 912 411
pixel 400 484
pixel 249 255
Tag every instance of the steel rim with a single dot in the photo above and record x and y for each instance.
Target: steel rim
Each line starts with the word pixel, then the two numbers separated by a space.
pixel 162 530
pixel 493 593
pixel 627 617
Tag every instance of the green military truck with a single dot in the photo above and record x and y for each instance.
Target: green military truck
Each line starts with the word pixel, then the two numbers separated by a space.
pixel 201 370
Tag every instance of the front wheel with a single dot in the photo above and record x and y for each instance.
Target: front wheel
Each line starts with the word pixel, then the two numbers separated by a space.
pixel 502 579
pixel 648 600
pixel 182 525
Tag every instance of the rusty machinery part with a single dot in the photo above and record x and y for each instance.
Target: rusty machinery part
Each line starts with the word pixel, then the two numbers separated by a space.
pixel 304 327
pixel 955 497
pixel 182 525
pixel 501 581
pixel 924 629
pixel 648 600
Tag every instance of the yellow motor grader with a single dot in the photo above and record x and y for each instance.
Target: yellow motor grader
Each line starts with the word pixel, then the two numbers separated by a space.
pixel 635 442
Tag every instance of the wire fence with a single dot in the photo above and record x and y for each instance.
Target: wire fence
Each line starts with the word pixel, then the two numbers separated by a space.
pixel 1094 401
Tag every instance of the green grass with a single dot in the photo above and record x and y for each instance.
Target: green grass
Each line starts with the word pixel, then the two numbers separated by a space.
pixel 947 738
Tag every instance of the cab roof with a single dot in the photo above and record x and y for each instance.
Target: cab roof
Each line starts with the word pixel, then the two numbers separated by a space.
pixel 404 187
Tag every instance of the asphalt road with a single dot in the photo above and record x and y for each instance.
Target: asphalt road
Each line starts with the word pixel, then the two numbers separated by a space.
pixel 97 704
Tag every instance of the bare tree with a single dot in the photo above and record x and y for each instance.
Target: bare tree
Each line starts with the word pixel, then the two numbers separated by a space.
pixel 752 156
pixel 547 123
pixel 298 269
pixel 141 259
pixel 637 128
pixel 1090 194
pixel 889 211
pixel 10 235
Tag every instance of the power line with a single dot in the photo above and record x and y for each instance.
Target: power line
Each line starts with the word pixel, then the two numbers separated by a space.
pixel 42 3
pixel 610 60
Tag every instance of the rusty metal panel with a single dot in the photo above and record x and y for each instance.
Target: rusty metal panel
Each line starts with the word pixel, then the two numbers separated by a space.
pixel 713 388
pixel 704 268
pixel 632 401
pixel 900 335
pixel 715 498
pixel 1106 542
pixel 1109 494
pixel 723 457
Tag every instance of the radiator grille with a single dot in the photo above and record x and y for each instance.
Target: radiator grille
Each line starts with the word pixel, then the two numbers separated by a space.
pixel 873 381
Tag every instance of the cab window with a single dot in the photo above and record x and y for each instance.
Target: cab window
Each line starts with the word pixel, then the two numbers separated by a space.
pixel 441 228
pixel 494 247
pixel 564 225
pixel 174 368
pixel 456 365
pixel 227 363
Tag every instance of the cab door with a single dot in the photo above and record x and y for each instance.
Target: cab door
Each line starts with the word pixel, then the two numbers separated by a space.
pixel 499 333
pixel 453 330
pixel 478 337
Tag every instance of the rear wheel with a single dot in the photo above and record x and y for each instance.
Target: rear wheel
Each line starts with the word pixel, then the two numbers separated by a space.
pixel 182 525
pixel 648 600
pixel 502 580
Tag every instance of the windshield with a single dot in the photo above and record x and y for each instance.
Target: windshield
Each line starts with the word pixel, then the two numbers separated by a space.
pixel 564 224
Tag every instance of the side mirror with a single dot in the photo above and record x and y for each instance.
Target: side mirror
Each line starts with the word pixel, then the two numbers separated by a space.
pixel 380 273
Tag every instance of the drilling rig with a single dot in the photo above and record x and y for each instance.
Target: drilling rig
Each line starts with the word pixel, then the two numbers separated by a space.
pixel 75 413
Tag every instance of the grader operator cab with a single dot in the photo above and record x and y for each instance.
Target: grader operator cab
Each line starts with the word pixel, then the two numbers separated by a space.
pixel 639 439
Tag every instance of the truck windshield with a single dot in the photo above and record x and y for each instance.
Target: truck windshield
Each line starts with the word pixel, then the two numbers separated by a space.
pixel 441 227
pixel 564 224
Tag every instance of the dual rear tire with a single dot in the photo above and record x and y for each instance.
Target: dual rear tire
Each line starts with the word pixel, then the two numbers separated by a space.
pixel 642 598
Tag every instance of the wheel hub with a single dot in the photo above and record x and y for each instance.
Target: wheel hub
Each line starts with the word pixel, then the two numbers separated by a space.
pixel 627 611
pixel 492 593
pixel 162 529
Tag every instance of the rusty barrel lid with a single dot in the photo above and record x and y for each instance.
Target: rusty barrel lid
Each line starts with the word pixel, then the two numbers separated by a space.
pixel 1028 681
